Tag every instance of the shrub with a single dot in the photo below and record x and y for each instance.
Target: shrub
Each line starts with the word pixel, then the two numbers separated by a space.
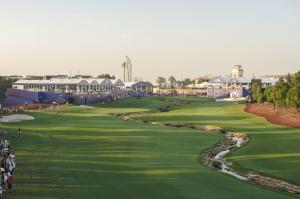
pixel 178 125
pixel 217 164
pixel 164 108
pixel 223 131
pixel 190 126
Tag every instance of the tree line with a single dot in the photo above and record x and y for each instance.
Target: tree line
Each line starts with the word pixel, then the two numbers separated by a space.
pixel 106 76
pixel 172 82
pixel 284 94
pixel 5 83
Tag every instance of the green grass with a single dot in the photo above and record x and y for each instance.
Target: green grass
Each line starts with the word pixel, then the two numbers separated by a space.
pixel 273 150
pixel 78 153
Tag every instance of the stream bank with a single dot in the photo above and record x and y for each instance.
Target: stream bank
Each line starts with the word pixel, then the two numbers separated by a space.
pixel 214 157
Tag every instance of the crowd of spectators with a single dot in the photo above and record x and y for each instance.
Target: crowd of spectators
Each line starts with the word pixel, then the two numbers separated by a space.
pixel 8 166
pixel 6 110
pixel 8 156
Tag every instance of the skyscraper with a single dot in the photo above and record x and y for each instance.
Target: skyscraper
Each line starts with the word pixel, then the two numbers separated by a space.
pixel 127 70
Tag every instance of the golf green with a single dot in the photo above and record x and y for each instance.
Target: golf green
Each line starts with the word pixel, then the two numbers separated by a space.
pixel 80 152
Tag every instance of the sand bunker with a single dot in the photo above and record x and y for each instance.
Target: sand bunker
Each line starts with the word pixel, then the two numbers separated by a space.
pixel 239 99
pixel 212 128
pixel 86 107
pixel 16 118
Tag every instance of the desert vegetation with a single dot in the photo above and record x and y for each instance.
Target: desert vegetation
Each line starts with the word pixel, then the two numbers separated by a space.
pixel 284 94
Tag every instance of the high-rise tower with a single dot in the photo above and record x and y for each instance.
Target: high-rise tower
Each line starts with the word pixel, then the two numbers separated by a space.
pixel 127 70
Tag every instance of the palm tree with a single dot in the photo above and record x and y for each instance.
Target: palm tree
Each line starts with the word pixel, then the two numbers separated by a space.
pixel 160 81
pixel 172 81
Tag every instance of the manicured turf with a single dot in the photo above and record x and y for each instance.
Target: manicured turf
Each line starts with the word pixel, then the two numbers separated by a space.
pixel 81 153
pixel 273 150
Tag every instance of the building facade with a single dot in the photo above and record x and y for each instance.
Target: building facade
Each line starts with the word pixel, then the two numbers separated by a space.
pixel 73 90
pixel 225 87
pixel 237 71
pixel 71 86
pixel 139 87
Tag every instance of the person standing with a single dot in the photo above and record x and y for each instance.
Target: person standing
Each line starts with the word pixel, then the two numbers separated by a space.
pixel 12 157
pixel 19 132
pixel 8 165
pixel 2 177
pixel 9 181
pixel 1 191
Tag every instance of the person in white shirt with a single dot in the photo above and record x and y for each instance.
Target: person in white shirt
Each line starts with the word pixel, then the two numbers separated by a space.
pixel 5 178
pixel 1 191
pixel 6 144
pixel 8 165
pixel 12 158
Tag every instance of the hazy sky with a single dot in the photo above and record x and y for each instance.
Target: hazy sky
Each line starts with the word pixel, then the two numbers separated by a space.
pixel 184 38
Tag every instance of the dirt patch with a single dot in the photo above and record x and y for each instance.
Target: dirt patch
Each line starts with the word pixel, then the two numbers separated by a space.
pixel 280 117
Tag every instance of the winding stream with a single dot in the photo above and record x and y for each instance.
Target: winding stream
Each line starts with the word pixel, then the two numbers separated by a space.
pixel 214 157
pixel 224 165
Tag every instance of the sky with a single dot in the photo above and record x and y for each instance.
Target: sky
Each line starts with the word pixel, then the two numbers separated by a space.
pixel 184 38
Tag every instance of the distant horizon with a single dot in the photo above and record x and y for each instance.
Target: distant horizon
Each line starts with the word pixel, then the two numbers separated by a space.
pixel 200 75
pixel 185 39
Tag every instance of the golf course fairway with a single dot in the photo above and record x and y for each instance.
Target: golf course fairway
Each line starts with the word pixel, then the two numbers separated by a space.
pixel 85 153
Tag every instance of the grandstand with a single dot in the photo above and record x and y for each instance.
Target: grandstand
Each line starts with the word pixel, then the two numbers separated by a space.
pixel 146 87
pixel 72 86
pixel 72 90
pixel 236 87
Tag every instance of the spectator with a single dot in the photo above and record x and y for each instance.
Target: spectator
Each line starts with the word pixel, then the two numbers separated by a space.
pixel 8 165
pixel 12 157
pixel 2 177
pixel 9 181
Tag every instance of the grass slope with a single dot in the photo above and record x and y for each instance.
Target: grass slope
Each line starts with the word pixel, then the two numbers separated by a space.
pixel 273 150
pixel 80 153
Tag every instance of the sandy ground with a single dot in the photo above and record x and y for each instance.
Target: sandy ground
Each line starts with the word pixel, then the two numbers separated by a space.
pixel 15 118
pixel 86 107
pixel 281 117
pixel 240 99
